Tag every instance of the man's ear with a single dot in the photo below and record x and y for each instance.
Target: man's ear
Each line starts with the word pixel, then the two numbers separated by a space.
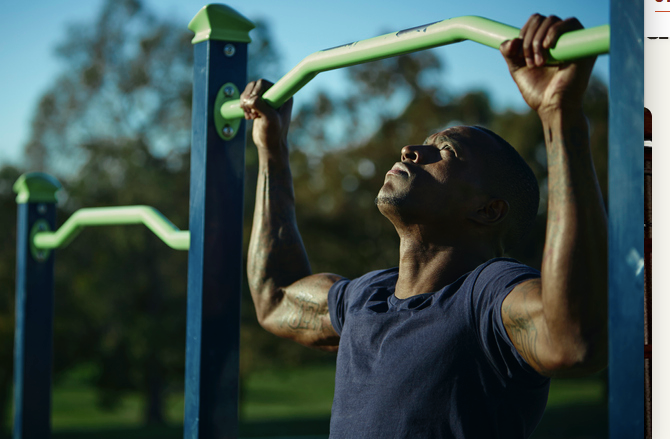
pixel 492 212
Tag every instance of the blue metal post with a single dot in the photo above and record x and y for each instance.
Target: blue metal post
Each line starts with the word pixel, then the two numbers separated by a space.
pixel 33 339
pixel 215 254
pixel 626 198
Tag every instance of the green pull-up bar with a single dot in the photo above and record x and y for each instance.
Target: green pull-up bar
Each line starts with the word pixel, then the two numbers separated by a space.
pixel 106 216
pixel 572 45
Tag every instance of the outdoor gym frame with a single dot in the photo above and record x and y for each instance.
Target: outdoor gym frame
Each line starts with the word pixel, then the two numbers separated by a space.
pixel 214 240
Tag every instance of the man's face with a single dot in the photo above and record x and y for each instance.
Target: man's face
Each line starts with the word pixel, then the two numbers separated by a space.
pixel 440 180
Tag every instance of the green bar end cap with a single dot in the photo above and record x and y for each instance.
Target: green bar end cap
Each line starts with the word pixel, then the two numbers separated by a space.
pixel 36 187
pixel 220 22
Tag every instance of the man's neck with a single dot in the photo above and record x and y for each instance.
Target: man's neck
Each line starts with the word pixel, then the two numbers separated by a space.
pixel 426 266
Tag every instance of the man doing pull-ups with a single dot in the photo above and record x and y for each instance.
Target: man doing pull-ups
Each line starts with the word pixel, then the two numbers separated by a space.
pixel 457 341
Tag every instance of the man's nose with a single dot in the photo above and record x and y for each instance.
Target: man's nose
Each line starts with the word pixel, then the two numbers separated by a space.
pixel 411 153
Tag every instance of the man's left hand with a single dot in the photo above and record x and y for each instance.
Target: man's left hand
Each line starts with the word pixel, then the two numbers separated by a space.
pixel 546 88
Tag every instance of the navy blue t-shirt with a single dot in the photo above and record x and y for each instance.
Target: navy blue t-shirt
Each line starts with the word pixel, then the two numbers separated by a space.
pixel 436 365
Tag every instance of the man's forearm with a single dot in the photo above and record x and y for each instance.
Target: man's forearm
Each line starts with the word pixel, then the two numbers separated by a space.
pixel 574 267
pixel 276 257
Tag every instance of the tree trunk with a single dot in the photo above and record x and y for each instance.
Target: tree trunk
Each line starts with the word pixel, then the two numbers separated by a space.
pixel 154 412
pixel 154 372
pixel 5 401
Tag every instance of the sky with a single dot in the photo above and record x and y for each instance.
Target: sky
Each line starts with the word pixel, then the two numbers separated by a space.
pixel 30 31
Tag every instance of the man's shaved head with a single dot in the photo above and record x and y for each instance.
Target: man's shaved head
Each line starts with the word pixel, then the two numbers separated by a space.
pixel 508 176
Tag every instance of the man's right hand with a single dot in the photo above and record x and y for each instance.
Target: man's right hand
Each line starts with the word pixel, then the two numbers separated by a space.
pixel 270 131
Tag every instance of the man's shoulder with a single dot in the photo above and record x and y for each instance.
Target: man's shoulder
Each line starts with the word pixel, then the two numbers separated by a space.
pixel 497 277
pixel 380 275
pixel 501 265
pixel 377 278
pixel 346 294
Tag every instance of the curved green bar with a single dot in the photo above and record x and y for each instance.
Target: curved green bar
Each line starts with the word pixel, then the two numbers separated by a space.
pixel 572 45
pixel 107 216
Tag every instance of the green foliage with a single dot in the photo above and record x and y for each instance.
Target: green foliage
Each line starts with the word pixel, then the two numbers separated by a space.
pixel 115 128
pixel 122 290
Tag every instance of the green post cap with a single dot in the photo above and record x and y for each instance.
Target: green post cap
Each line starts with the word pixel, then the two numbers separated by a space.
pixel 36 187
pixel 220 22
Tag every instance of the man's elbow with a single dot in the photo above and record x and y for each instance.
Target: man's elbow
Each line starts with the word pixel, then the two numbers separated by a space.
pixel 581 359
pixel 266 324
pixel 266 301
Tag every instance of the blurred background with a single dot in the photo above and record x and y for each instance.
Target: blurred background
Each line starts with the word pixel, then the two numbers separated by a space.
pixel 98 93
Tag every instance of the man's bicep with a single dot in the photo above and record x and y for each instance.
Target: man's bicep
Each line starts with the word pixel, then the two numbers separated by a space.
pixel 303 315
pixel 523 318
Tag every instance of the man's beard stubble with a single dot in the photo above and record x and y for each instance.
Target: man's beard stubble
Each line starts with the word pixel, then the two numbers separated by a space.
pixel 391 201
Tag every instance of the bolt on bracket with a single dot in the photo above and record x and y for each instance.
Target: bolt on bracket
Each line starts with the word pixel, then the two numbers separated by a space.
pixel 39 254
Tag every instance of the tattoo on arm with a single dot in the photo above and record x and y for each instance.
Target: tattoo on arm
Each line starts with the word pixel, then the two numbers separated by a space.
pixel 304 313
pixel 521 327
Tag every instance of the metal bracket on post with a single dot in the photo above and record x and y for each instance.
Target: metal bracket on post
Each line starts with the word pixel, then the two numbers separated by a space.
pixel 228 92
pixel 39 254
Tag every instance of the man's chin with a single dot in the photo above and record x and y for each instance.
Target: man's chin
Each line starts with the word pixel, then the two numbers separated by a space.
pixel 385 200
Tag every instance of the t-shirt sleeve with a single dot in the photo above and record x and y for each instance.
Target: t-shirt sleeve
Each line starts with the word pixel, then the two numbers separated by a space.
pixel 346 295
pixel 492 285
pixel 337 303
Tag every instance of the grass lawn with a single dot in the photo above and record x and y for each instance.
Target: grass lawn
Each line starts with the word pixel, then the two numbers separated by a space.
pixel 303 393
pixel 297 402
pixel 576 408
pixel 576 392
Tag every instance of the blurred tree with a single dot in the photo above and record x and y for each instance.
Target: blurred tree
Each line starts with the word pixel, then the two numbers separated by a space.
pixel 115 128
pixel 120 292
